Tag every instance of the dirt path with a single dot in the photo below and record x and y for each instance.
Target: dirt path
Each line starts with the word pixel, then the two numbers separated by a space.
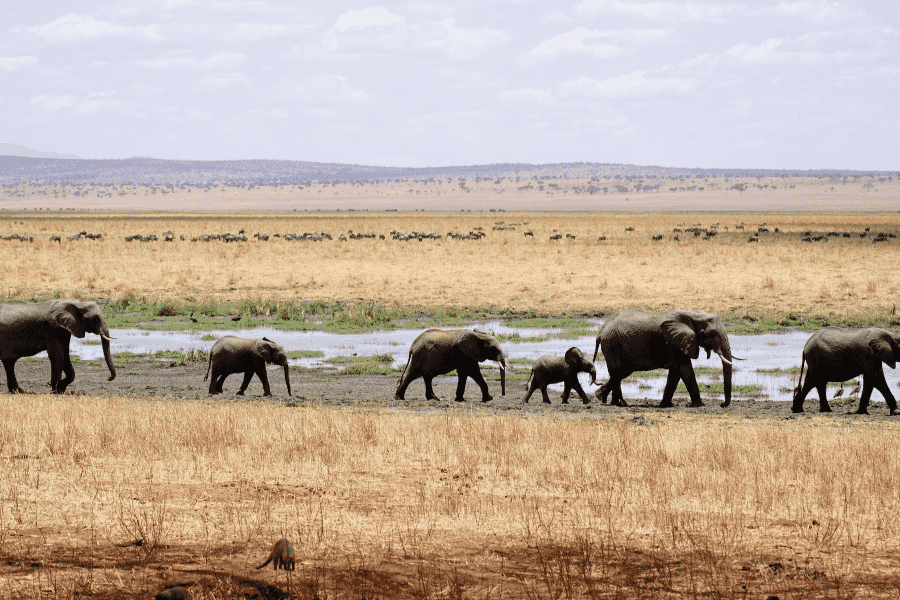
pixel 167 379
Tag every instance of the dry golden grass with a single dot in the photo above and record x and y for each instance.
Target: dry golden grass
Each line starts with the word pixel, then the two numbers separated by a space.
pixel 506 269
pixel 450 504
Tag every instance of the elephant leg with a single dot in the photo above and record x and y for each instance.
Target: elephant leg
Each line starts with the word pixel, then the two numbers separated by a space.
pixel 10 365
pixel 866 395
pixel 405 379
pixel 882 386
pixel 690 382
pixel 264 378
pixel 69 371
pixel 213 387
pixel 567 391
pixel 475 373
pixel 808 385
pixel 823 398
pixel 60 363
pixel 248 375
pixel 580 391
pixel 672 380
pixel 429 390
pixel 221 381
pixel 530 391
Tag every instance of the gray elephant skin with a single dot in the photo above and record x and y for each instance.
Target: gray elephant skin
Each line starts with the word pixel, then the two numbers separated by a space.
pixel 232 354
pixel 638 341
pixel 438 352
pixel 26 329
pixel 839 354
pixel 555 369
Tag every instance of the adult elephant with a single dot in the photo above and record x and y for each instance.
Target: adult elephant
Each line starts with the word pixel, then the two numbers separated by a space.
pixel 638 341
pixel 437 352
pixel 28 328
pixel 232 354
pixel 553 369
pixel 839 354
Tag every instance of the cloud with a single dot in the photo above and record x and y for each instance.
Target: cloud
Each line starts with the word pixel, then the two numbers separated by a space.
pixel 633 85
pixel 322 90
pixel 580 40
pixel 527 96
pixel 218 61
pixel 77 28
pixel 52 102
pixel 16 63
pixel 467 44
pixel 373 16
pixel 669 12
pixel 214 82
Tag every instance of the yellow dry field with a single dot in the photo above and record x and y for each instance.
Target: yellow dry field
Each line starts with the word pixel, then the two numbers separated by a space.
pixel 506 269
pixel 449 504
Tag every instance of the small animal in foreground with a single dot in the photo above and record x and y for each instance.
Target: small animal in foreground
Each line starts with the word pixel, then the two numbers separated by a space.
pixel 283 555
pixel 174 593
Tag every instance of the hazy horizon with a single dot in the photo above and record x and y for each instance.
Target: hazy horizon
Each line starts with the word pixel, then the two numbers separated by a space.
pixel 793 85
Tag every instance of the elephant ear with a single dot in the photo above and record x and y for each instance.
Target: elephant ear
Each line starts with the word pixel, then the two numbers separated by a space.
pixel 472 344
pixel 573 356
pixel 262 349
pixel 881 347
pixel 68 316
pixel 681 336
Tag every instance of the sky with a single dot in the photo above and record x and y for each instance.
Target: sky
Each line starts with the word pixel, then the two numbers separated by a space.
pixel 776 84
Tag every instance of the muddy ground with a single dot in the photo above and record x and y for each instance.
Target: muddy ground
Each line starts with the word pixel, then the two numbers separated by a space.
pixel 152 377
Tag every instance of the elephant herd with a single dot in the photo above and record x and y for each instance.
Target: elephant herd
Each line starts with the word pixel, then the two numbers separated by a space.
pixel 630 341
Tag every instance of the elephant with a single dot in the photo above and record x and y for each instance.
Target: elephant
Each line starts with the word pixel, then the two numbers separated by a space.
pixel 839 354
pixel 638 341
pixel 28 328
pixel 248 356
pixel 553 369
pixel 437 352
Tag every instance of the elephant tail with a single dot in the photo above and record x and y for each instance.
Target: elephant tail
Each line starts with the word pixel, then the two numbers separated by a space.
pixel 406 367
pixel 208 367
pixel 800 381
pixel 529 377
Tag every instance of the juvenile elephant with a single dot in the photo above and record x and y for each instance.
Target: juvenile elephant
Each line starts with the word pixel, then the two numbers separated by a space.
pixel 437 352
pixel 838 354
pixel 552 369
pixel 638 341
pixel 248 356
pixel 26 329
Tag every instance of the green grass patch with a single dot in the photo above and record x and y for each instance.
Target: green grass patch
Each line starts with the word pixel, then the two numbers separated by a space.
pixel 743 391
pixel 639 375
pixel 549 322
pixel 305 354
pixel 208 338
pixel 780 371
pixel 378 358
pixel 574 334
pixel 90 342
pixel 515 338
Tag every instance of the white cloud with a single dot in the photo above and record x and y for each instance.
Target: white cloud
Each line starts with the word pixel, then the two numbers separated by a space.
pixel 323 90
pixel 467 44
pixel 527 96
pixel 53 102
pixel 214 82
pixel 580 40
pixel 15 63
pixel 76 27
pixel 220 60
pixel 373 16
pixel 633 85
pixel 670 12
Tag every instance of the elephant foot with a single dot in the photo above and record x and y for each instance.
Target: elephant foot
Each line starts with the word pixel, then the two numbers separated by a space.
pixel 667 404
pixel 398 396
pixel 824 409
pixel 267 393
pixel 586 400
pixel 461 399
pixel 894 412
pixel 548 402
pixel 240 392
pixel 861 411
pixel 697 404
pixel 724 405
pixel 796 409
pixel 485 399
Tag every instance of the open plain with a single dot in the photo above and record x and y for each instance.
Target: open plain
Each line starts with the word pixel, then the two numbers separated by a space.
pixel 117 495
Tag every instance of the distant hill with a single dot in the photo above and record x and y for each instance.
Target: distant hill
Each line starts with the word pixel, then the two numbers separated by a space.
pixel 145 170
pixel 17 150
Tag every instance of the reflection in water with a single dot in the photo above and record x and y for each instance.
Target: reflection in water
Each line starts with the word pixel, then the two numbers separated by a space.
pixel 769 351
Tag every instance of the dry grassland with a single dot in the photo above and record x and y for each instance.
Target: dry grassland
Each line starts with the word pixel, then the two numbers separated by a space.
pixel 437 505
pixel 777 276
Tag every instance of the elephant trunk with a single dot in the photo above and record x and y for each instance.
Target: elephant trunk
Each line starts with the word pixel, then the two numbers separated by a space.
pixel 501 362
pixel 287 380
pixel 593 373
pixel 104 342
pixel 596 349
pixel 725 355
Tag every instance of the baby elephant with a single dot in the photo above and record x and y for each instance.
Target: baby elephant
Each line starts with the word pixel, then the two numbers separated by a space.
pixel 240 355
pixel 554 369
pixel 283 555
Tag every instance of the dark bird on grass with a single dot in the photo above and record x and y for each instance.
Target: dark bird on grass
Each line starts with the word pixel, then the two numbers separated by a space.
pixel 840 392
pixel 237 318
pixel 854 391
pixel 193 320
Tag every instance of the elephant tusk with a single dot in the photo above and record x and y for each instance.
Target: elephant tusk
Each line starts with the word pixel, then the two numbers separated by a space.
pixel 724 360
pixel 737 357
pixel 106 337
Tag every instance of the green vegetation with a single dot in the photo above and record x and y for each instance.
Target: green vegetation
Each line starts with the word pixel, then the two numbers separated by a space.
pixel 90 342
pixel 548 322
pixel 305 354
pixel 780 371
pixel 378 364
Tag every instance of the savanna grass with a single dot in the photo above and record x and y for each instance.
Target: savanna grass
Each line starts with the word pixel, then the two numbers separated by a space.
pixel 410 504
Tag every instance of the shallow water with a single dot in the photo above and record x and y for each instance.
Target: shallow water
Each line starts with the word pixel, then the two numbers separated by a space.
pixel 765 351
